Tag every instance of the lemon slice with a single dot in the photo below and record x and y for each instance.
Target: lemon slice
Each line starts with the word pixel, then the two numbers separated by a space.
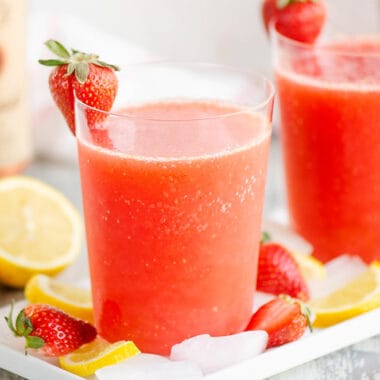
pixel 74 300
pixel 358 296
pixel 97 354
pixel 40 230
pixel 310 267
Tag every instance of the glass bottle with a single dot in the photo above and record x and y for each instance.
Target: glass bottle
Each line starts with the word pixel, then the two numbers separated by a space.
pixel 15 134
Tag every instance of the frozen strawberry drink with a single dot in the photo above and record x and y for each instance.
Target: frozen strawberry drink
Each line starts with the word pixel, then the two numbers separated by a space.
pixel 173 188
pixel 330 103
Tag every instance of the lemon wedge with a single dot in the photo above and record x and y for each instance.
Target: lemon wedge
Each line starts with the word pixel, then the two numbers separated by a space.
pixel 358 296
pixel 97 354
pixel 310 267
pixel 72 299
pixel 40 230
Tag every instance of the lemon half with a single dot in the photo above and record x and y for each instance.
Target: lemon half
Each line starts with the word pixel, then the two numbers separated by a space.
pixel 40 230
pixel 358 296
pixel 97 354
pixel 72 299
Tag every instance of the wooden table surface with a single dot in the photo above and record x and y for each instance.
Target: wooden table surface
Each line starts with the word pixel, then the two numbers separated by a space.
pixel 358 362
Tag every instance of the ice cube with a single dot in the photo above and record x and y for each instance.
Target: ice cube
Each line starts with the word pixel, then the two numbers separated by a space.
pixel 150 367
pixel 282 234
pixel 215 353
pixel 339 272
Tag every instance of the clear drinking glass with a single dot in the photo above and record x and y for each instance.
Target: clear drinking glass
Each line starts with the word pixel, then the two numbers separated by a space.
pixel 329 97
pixel 173 187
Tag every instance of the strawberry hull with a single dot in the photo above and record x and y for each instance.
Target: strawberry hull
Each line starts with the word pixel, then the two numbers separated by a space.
pixel 49 330
pixel 80 75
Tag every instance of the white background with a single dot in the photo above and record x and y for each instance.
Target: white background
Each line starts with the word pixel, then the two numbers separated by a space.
pixel 220 31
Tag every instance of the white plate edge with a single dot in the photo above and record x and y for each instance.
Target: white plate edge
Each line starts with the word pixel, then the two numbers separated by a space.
pixel 313 346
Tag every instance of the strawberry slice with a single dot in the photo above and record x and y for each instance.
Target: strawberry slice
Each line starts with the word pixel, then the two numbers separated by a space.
pixel 284 319
pixel 300 20
pixel 93 81
pixel 50 330
pixel 279 273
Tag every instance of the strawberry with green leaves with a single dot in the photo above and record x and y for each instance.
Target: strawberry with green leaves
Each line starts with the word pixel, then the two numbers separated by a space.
pixel 50 330
pixel 300 20
pixel 93 81
pixel 283 318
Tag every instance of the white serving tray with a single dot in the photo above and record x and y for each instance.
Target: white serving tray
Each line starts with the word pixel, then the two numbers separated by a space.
pixel 269 363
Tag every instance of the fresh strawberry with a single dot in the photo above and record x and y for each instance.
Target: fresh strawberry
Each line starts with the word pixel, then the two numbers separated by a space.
pixel 300 20
pixel 284 319
pixel 279 273
pixel 93 81
pixel 50 330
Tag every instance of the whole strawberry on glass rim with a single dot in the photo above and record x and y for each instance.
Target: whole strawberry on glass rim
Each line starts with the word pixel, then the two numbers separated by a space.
pixel 93 81
pixel 49 330
pixel 300 20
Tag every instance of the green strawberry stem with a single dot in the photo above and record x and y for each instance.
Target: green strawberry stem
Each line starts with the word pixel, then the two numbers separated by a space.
pixel 307 313
pixel 77 62
pixel 265 237
pixel 22 328
pixel 304 308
